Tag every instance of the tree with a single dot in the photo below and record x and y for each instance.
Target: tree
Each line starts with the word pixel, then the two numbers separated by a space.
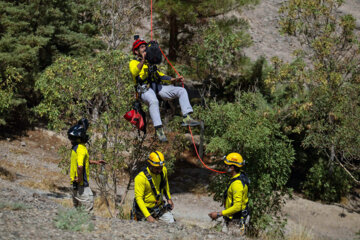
pixel 34 33
pixel 181 19
pixel 250 126
pixel 118 19
pixel 322 97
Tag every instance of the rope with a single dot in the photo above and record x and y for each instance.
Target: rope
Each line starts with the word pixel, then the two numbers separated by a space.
pixel 192 137
pixel 151 23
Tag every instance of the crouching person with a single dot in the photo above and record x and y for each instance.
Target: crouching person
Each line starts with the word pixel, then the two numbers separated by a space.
pixel 236 213
pixel 79 166
pixel 151 185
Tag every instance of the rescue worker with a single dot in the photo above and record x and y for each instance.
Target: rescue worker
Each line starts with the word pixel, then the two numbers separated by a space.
pixel 236 213
pixel 148 89
pixel 79 166
pixel 151 185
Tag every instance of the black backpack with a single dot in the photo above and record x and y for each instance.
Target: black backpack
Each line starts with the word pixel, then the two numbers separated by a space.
pixel 153 53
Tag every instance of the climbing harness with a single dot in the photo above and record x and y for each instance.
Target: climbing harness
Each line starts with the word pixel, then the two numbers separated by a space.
pixel 159 209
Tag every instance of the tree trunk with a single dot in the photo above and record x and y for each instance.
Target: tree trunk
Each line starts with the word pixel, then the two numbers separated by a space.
pixel 173 41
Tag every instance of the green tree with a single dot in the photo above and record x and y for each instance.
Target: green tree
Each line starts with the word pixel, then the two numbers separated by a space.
pixel 250 126
pixel 34 33
pixel 321 99
pixel 98 88
pixel 182 18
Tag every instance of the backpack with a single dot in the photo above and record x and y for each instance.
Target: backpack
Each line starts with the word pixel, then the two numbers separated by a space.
pixel 153 53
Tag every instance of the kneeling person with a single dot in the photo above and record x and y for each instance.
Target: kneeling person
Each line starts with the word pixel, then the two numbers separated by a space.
pixel 150 186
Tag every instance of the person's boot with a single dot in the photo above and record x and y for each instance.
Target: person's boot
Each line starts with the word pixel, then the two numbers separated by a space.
pixel 160 134
pixel 189 121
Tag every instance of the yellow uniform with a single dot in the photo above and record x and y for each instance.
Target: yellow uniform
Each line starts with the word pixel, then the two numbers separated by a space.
pixel 144 195
pixel 80 157
pixel 237 198
pixel 143 74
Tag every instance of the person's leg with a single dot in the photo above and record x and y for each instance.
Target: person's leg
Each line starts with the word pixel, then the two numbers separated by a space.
pixel 85 198
pixel 149 97
pixel 169 92
pixel 167 217
pixel 75 201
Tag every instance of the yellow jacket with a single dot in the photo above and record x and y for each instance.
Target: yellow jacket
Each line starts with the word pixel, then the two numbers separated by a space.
pixel 143 74
pixel 144 195
pixel 237 198
pixel 79 157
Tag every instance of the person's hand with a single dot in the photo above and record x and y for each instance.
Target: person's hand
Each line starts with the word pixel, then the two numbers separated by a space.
pixel 178 79
pixel 171 204
pixel 150 219
pixel 143 55
pixel 76 179
pixel 213 215
pixel 101 162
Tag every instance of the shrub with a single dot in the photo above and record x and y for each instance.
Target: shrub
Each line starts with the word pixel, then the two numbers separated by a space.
pixel 250 126
pixel 74 220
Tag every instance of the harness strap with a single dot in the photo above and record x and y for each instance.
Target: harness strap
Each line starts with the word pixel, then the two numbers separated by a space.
pixel 244 180
pixel 162 184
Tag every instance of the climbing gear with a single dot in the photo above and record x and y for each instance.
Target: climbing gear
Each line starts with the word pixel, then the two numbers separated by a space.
pixel 234 159
pixel 159 209
pixel 156 159
pixel 161 134
pixel 243 217
pixel 137 43
pixel 137 117
pixel 153 53
pixel 189 121
pixel 77 133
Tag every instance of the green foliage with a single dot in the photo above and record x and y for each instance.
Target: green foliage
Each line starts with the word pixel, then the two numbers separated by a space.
pixel 33 34
pixel 74 220
pixel 320 101
pixel 13 206
pixel 324 184
pixel 250 126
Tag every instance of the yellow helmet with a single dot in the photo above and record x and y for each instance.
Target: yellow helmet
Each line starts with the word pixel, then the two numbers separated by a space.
pixel 156 159
pixel 234 159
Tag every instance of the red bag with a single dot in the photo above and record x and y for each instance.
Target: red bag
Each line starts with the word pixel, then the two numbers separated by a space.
pixel 136 117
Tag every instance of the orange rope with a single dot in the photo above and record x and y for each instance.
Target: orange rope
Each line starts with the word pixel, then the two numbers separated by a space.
pixel 192 137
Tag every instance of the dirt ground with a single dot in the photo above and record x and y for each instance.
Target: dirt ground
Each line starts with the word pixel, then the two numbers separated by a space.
pixel 31 161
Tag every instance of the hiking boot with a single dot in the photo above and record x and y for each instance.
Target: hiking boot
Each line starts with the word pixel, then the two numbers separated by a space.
pixel 161 135
pixel 189 121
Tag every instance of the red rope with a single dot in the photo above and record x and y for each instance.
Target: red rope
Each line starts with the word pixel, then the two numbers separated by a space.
pixel 192 137
pixel 151 23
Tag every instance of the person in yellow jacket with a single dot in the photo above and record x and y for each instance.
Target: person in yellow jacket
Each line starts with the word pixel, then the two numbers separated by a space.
pixel 79 166
pixel 236 213
pixel 148 89
pixel 151 185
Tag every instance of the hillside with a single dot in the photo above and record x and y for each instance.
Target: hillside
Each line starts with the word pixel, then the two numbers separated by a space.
pixel 33 191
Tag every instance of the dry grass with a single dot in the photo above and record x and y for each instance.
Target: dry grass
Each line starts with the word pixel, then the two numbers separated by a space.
pixel 19 151
pixel 301 233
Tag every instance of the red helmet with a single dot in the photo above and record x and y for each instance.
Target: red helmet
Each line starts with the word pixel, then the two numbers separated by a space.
pixel 137 43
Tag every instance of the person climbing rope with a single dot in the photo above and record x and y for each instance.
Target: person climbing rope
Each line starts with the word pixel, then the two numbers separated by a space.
pixel 236 213
pixel 150 186
pixel 79 166
pixel 150 83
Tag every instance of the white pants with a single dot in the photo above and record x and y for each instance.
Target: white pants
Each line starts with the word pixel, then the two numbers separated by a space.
pixel 83 197
pixel 167 217
pixel 166 92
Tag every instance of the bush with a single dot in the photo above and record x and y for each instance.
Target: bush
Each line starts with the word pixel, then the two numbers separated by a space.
pixel 250 126
pixel 74 220
pixel 326 185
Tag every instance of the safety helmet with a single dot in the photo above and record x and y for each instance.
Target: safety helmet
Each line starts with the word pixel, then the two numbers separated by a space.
pixel 156 159
pixel 234 159
pixel 77 133
pixel 137 43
